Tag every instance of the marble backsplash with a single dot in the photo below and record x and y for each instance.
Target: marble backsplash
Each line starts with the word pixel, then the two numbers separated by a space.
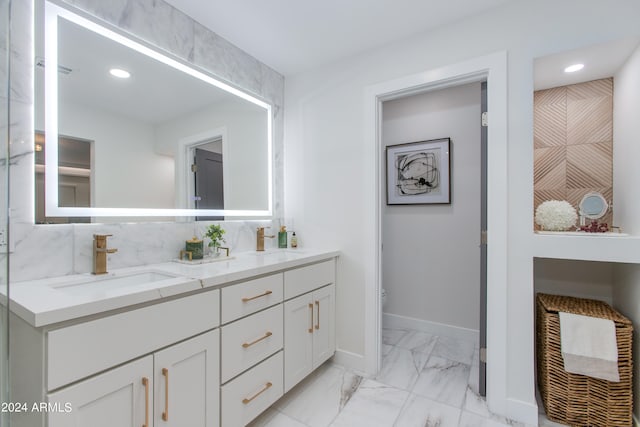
pixel 52 250
pixel 58 250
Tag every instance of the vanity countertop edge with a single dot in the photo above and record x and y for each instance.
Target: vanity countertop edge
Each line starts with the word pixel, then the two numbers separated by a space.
pixel 40 304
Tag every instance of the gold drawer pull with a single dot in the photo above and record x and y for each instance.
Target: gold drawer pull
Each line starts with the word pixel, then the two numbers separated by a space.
pixel 165 414
pixel 249 344
pixel 247 299
pixel 145 382
pixel 267 386
pixel 318 318
pixel 310 330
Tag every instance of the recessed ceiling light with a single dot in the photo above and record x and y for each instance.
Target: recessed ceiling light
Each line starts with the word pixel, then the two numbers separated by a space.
pixel 573 68
pixel 121 74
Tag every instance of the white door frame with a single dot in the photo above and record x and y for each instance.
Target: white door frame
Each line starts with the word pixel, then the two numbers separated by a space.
pixel 493 69
pixel 184 156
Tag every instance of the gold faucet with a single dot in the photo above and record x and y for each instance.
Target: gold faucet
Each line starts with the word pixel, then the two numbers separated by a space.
pixel 261 236
pixel 100 252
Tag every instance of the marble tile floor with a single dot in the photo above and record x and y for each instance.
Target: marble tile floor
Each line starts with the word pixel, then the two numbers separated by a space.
pixel 425 381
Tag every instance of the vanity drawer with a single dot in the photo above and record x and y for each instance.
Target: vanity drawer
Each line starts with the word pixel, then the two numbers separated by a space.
pixel 245 298
pixel 305 279
pixel 247 396
pixel 81 350
pixel 250 340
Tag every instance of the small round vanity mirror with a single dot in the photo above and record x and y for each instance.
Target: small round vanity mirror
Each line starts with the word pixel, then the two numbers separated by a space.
pixel 593 206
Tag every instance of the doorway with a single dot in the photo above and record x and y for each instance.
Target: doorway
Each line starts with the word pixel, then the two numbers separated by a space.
pixel 208 178
pixel 202 182
pixel 493 69
pixel 432 252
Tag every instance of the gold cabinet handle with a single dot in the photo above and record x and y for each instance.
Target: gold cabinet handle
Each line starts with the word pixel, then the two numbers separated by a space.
pixel 318 318
pixel 145 382
pixel 165 414
pixel 266 387
pixel 249 344
pixel 310 330
pixel 247 299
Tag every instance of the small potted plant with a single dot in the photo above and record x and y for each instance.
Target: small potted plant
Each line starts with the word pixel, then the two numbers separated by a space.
pixel 214 233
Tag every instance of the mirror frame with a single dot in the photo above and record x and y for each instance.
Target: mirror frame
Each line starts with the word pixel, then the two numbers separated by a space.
pixel 52 14
pixel 600 197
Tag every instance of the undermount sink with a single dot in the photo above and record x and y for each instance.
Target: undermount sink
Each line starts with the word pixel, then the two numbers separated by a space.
pixel 93 284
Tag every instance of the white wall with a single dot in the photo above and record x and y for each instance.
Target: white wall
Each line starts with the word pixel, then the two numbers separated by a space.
pixel 626 130
pixel 325 137
pixel 126 172
pixel 431 258
pixel 244 157
pixel 626 298
pixel 626 176
pixel 582 279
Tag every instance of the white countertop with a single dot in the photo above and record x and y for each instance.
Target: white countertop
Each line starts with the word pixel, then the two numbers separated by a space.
pixel 46 301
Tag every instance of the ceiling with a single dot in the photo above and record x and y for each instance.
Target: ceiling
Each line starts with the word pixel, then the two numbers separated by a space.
pixel 600 61
pixel 292 36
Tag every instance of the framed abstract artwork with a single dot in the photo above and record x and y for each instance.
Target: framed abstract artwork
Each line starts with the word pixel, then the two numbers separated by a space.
pixel 418 173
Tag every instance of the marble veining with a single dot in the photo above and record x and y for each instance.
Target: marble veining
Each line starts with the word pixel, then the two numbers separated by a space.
pixel 150 19
pixel 418 341
pixel 111 11
pixel 454 349
pixel 422 412
pixel 21 68
pixel 67 249
pixel 401 367
pixel 443 380
pixel 374 403
pixel 392 336
pixel 330 386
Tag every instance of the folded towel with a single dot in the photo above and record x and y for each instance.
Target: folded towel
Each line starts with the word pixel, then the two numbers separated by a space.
pixel 589 346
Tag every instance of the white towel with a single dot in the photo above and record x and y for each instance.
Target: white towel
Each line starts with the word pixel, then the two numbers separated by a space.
pixel 589 346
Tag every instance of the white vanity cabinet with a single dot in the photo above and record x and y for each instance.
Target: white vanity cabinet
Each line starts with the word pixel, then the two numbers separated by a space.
pixel 186 379
pixel 177 386
pixel 118 397
pixel 309 320
pixel 211 357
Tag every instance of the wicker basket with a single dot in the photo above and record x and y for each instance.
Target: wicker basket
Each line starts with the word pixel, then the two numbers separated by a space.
pixel 578 400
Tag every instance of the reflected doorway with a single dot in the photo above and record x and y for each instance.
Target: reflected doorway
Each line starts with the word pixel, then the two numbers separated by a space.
pixel 75 175
pixel 208 178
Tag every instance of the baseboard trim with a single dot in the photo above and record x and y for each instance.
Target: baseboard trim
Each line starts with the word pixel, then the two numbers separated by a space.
pixel 395 321
pixel 524 412
pixel 353 361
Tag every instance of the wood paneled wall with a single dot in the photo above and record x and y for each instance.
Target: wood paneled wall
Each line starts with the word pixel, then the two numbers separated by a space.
pixel 573 142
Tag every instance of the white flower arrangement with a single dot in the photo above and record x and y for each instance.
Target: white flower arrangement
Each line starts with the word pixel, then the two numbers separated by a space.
pixel 556 215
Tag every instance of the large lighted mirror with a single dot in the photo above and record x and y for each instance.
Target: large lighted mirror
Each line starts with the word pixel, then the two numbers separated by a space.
pixel 129 131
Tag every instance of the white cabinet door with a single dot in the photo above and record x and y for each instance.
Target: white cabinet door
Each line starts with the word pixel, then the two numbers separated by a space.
pixel 324 343
pixel 118 397
pixel 298 339
pixel 186 391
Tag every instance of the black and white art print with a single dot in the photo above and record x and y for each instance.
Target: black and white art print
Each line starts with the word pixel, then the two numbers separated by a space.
pixel 418 173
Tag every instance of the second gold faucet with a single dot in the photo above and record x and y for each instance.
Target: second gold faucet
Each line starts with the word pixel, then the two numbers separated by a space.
pixel 260 239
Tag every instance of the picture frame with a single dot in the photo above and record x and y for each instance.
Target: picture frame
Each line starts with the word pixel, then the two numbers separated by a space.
pixel 419 173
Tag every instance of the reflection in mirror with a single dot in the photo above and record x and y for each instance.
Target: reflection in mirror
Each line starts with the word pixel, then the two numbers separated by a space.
pixel 74 176
pixel 153 135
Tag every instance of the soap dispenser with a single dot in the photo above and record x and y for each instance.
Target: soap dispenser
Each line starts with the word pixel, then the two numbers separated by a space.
pixel 282 237
pixel 294 240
